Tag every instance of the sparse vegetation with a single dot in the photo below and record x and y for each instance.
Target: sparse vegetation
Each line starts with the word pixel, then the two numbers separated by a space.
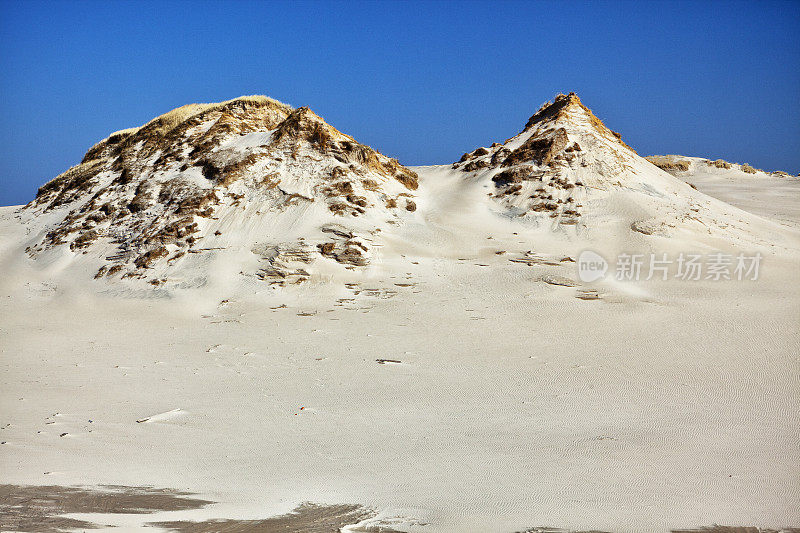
pixel 747 168
pixel 669 163
pixel 719 163
pixel 148 258
pixel 540 149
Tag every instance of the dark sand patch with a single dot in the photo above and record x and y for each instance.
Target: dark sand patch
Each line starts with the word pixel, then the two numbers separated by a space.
pixel 38 509
pixel 306 518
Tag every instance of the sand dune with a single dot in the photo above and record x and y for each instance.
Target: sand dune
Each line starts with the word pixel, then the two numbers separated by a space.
pixel 445 368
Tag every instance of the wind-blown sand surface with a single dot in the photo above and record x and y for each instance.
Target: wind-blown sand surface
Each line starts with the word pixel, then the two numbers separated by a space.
pixel 512 405
pixel 765 195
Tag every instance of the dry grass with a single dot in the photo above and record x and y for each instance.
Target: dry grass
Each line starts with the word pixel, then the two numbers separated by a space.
pixel 540 149
pixel 669 163
pixel 348 253
pixel 556 109
pixel 719 163
pixel 148 258
pixel 475 165
pixel 177 119
pixel 70 184
pixel 137 154
pixel 747 168
pixel 515 175
pixel 307 125
pixel 163 124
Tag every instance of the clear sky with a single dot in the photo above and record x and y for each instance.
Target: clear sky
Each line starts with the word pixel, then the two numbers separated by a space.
pixel 423 82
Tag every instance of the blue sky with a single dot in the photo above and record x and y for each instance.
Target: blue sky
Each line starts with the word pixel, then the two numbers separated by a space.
pixel 423 82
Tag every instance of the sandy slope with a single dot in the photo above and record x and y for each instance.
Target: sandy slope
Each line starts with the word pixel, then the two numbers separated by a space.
pixel 515 405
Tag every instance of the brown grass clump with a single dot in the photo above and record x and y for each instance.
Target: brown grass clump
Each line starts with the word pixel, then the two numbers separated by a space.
pixel 148 258
pixel 411 206
pixel 337 208
pixel 70 185
pixel 371 185
pixel 540 149
pixel 83 240
pixel 354 199
pixel 475 153
pixel 349 252
pixel 174 231
pixel 201 204
pixel 307 125
pixel 142 199
pixel 163 132
pixel 475 165
pixel 719 163
pixel 343 187
pixel 408 178
pixel 515 175
pixel 747 168
pixel 669 163
pixel 227 173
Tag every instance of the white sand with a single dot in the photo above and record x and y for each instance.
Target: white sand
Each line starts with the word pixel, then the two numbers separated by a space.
pixel 515 404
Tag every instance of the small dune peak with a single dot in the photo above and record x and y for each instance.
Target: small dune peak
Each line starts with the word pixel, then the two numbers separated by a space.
pixel 545 170
pixel 567 110
pixel 553 109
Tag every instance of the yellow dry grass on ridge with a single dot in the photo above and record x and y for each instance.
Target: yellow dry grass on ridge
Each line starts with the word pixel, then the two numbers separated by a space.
pixel 162 124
